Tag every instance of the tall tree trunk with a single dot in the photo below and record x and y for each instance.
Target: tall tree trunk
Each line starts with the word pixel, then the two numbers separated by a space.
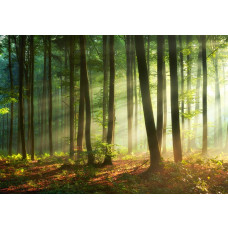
pixel 44 97
pixel 21 78
pixel 189 89
pixel 204 62
pixel 174 99
pixel 108 157
pixel 105 87
pixel 27 75
pixel 136 99
pixel 81 108
pixel 11 105
pixel 32 95
pixel 129 92
pixel 50 95
pixel 182 90
pixel 165 110
pixel 71 60
pixel 155 156
pixel 87 101
pixel 160 76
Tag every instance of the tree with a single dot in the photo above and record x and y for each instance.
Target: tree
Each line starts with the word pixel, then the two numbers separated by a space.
pixel 21 79
pixel 160 76
pixel 108 158
pixel 11 105
pixel 189 38
pixel 165 110
pixel 50 96
pixel 32 96
pixel 204 62
pixel 174 99
pixel 155 156
pixel 43 101
pixel 105 87
pixel 129 91
pixel 182 90
pixel 71 60
pixel 85 80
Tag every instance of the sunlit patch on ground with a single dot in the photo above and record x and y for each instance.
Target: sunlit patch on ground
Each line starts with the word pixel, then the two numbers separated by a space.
pixel 56 175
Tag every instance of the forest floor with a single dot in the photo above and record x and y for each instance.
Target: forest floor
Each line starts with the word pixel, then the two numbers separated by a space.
pixel 59 174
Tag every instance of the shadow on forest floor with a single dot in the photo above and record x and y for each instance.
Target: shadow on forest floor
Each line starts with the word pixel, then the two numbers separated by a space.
pixel 57 175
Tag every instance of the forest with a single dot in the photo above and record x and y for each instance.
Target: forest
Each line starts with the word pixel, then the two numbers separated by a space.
pixel 114 114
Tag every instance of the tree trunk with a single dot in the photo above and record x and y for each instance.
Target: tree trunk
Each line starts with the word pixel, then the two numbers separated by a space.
pixel 87 101
pixel 44 97
pixel 11 105
pixel 71 60
pixel 105 87
pixel 21 78
pixel 165 110
pixel 160 76
pixel 174 99
pixel 136 98
pixel 155 156
pixel 189 89
pixel 182 90
pixel 108 158
pixel 32 95
pixel 50 95
pixel 204 62
pixel 129 91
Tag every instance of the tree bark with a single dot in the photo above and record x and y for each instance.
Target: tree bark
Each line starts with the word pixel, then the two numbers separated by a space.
pixel 21 105
pixel 71 60
pixel 105 87
pixel 108 157
pixel 160 76
pixel 11 105
pixel 129 91
pixel 182 91
pixel 174 99
pixel 32 96
pixel 50 95
pixel 87 101
pixel 189 89
pixel 155 156
pixel 204 62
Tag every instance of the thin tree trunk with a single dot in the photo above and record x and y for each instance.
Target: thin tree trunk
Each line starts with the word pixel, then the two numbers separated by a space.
pixel 204 62
pixel 174 99
pixel 182 90
pixel 87 101
pixel 71 60
pixel 155 156
pixel 21 78
pixel 189 89
pixel 136 99
pixel 11 105
pixel 160 76
pixel 81 110
pixel 32 95
pixel 105 87
pixel 50 95
pixel 165 110
pixel 108 158
pixel 129 92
